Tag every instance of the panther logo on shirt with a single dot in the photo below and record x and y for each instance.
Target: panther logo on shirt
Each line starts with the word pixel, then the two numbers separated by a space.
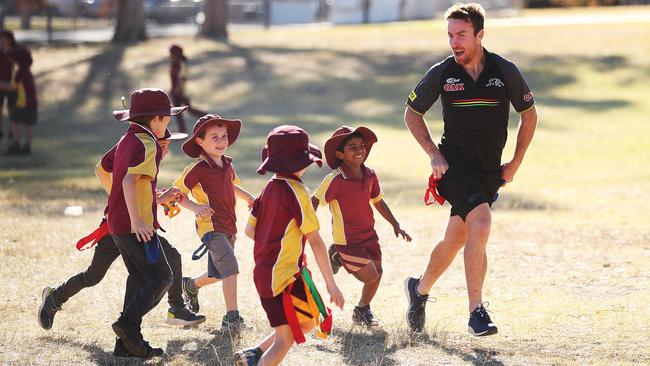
pixel 495 82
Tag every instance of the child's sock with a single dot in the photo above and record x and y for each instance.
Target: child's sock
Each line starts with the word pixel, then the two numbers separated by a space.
pixel 362 305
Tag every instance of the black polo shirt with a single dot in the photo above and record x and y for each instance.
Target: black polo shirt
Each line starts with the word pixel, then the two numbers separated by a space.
pixel 475 114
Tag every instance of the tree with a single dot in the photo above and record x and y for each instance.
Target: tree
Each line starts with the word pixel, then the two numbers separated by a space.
pixel 216 19
pixel 25 9
pixel 130 23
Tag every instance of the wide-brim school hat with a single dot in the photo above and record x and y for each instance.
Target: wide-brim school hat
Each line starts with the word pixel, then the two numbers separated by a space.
pixel 233 126
pixel 148 102
pixel 173 135
pixel 288 150
pixel 177 50
pixel 341 133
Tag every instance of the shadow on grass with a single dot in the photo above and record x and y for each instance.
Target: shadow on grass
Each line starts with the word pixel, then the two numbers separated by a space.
pixel 216 351
pixel 96 354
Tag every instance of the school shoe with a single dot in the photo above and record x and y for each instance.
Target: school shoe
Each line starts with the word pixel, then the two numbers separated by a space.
pixel 191 296
pixel 247 357
pixel 183 316
pixel 48 309
pixel 415 315
pixel 232 320
pixel 480 323
pixel 335 262
pixel 131 337
pixel 363 315
pixel 121 351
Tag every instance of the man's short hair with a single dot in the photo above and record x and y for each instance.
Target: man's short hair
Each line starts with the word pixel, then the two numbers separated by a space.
pixel 471 12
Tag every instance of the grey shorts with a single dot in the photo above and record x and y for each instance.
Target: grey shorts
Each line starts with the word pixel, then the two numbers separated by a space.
pixel 222 262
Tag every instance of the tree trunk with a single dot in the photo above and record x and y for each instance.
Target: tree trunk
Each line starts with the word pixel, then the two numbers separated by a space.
pixel 365 6
pixel 130 26
pixel 25 9
pixel 216 19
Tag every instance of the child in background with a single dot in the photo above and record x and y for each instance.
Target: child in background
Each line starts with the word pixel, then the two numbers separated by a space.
pixel 178 75
pixel 25 111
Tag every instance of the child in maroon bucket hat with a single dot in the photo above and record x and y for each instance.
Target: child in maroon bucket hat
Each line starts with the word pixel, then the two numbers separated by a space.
pixel 348 190
pixel 281 221
pixel 105 254
pixel 214 186
pixel 25 110
pixel 178 75
pixel 132 213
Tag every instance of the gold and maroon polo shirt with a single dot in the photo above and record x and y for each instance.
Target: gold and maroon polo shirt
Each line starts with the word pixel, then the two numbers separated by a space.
pixel 213 186
pixel 349 200
pixel 281 215
pixel 137 153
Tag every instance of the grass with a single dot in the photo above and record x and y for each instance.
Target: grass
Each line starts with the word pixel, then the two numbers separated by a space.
pixel 569 246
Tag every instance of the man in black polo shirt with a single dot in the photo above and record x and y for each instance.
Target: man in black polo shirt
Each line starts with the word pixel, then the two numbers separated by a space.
pixel 476 88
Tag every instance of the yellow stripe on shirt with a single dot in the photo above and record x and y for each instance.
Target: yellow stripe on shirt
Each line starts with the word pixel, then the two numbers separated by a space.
pixel 148 166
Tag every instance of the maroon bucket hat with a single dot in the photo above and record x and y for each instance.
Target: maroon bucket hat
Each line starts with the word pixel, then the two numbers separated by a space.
pixel 173 135
pixel 148 102
pixel 288 150
pixel 341 133
pixel 233 126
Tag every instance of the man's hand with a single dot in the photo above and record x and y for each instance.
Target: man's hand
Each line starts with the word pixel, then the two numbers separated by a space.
pixel 204 211
pixel 508 171
pixel 398 231
pixel 143 232
pixel 438 165
pixel 336 296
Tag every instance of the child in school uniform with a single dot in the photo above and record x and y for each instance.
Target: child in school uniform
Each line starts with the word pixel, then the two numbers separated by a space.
pixel 106 252
pixel 349 190
pixel 178 75
pixel 214 186
pixel 281 221
pixel 25 110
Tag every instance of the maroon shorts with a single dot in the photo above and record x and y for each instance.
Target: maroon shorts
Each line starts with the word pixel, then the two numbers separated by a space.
pixel 353 257
pixel 275 311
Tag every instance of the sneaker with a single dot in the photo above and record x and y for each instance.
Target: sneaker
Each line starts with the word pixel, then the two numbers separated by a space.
pixel 247 357
pixel 480 323
pixel 415 314
pixel 363 315
pixel 48 309
pixel 334 259
pixel 232 320
pixel 191 296
pixel 131 338
pixel 121 351
pixel 183 316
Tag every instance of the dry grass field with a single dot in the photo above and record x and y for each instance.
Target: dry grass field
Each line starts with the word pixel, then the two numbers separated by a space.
pixel 568 282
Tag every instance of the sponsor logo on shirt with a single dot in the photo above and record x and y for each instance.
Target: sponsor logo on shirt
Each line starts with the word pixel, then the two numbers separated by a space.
pixel 495 82
pixel 413 96
pixel 452 80
pixel 453 86
pixel 528 97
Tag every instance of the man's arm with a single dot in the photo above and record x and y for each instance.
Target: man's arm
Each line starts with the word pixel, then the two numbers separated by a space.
pixel 418 127
pixel 525 132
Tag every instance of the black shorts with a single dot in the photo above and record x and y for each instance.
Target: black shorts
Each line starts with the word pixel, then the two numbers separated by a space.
pixel 465 189
pixel 24 116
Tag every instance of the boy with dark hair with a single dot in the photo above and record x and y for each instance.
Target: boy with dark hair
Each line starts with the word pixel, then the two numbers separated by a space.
pixel 105 254
pixel 214 186
pixel 349 190
pixel 281 221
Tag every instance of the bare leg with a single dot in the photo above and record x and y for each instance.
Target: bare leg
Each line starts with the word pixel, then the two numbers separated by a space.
pixel 204 280
pixel 370 275
pixel 443 254
pixel 230 292
pixel 478 228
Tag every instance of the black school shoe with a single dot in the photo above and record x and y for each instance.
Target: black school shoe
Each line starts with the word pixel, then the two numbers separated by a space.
pixel 131 337
pixel 247 357
pixel 121 351
pixel 183 316
pixel 48 309
pixel 363 315
pixel 480 324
